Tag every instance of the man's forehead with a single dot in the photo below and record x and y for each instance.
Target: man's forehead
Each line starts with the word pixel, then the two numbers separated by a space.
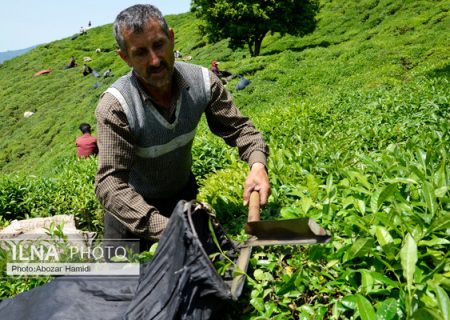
pixel 150 24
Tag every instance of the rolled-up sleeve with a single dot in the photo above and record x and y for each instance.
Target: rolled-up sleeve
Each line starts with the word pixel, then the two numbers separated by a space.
pixel 225 120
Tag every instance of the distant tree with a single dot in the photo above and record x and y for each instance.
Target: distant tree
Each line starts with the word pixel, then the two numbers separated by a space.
pixel 247 22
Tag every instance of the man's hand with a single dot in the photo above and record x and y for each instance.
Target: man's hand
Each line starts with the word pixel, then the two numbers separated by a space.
pixel 257 180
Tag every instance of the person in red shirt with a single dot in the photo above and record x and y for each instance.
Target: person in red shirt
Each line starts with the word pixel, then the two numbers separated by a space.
pixel 86 144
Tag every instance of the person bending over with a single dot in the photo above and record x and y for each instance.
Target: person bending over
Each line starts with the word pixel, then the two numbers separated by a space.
pixel 146 124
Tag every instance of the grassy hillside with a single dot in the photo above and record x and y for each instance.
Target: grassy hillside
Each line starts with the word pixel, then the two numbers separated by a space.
pixel 370 45
pixel 357 118
pixel 367 45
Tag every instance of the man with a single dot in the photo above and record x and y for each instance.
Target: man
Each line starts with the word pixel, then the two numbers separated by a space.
pixel 72 63
pixel 224 75
pixel 146 124
pixel 215 68
pixel 86 70
pixel 86 144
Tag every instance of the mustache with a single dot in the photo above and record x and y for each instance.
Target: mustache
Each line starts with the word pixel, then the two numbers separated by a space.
pixel 152 69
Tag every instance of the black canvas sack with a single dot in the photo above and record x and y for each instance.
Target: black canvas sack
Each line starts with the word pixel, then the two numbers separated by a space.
pixel 180 282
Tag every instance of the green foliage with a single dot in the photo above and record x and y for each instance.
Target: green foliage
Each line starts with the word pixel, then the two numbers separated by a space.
pixel 247 22
pixel 370 164
pixel 70 192
pixel 356 115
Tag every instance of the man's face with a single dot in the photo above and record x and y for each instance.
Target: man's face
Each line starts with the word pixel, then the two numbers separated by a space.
pixel 150 54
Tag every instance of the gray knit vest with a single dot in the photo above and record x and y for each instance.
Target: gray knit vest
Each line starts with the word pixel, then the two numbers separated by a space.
pixel 163 150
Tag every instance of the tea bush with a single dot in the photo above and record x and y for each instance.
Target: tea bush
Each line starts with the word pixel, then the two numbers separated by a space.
pixel 356 116
pixel 70 192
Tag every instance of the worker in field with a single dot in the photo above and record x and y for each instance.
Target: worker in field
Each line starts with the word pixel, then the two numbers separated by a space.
pixel 223 75
pixel 146 124
pixel 86 70
pixel 72 63
pixel 86 144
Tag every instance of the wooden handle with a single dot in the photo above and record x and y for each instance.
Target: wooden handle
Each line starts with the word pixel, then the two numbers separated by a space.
pixel 253 207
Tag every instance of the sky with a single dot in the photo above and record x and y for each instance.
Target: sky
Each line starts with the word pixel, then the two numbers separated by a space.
pixel 25 23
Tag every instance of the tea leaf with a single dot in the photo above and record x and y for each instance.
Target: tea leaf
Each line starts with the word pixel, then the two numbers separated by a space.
pixel 383 236
pixel 434 242
pixel 313 186
pixel 362 179
pixel 306 203
pixel 401 180
pixel 440 192
pixel 441 176
pixel 381 195
pixel 408 256
pixel 425 314
pixel 443 302
pixel 428 193
pixel 440 223
pixel 365 309
pixel 367 281
pixel 385 280
pixel 387 310
pixel 360 248
pixel 350 302
pixel 386 193
pixel 374 201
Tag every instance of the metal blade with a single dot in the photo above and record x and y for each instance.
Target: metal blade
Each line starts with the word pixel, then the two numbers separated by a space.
pixel 285 230
pixel 282 232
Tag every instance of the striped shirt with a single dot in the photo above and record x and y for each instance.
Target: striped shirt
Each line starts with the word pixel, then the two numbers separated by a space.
pixel 117 151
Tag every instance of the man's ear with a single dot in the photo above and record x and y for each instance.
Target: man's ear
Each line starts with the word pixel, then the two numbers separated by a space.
pixel 171 36
pixel 124 57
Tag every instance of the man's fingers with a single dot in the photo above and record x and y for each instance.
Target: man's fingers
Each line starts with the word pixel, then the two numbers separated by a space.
pixel 263 196
pixel 247 191
pixel 246 198
pixel 257 180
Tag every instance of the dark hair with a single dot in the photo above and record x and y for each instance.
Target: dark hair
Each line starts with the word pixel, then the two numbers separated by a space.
pixel 85 128
pixel 135 18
